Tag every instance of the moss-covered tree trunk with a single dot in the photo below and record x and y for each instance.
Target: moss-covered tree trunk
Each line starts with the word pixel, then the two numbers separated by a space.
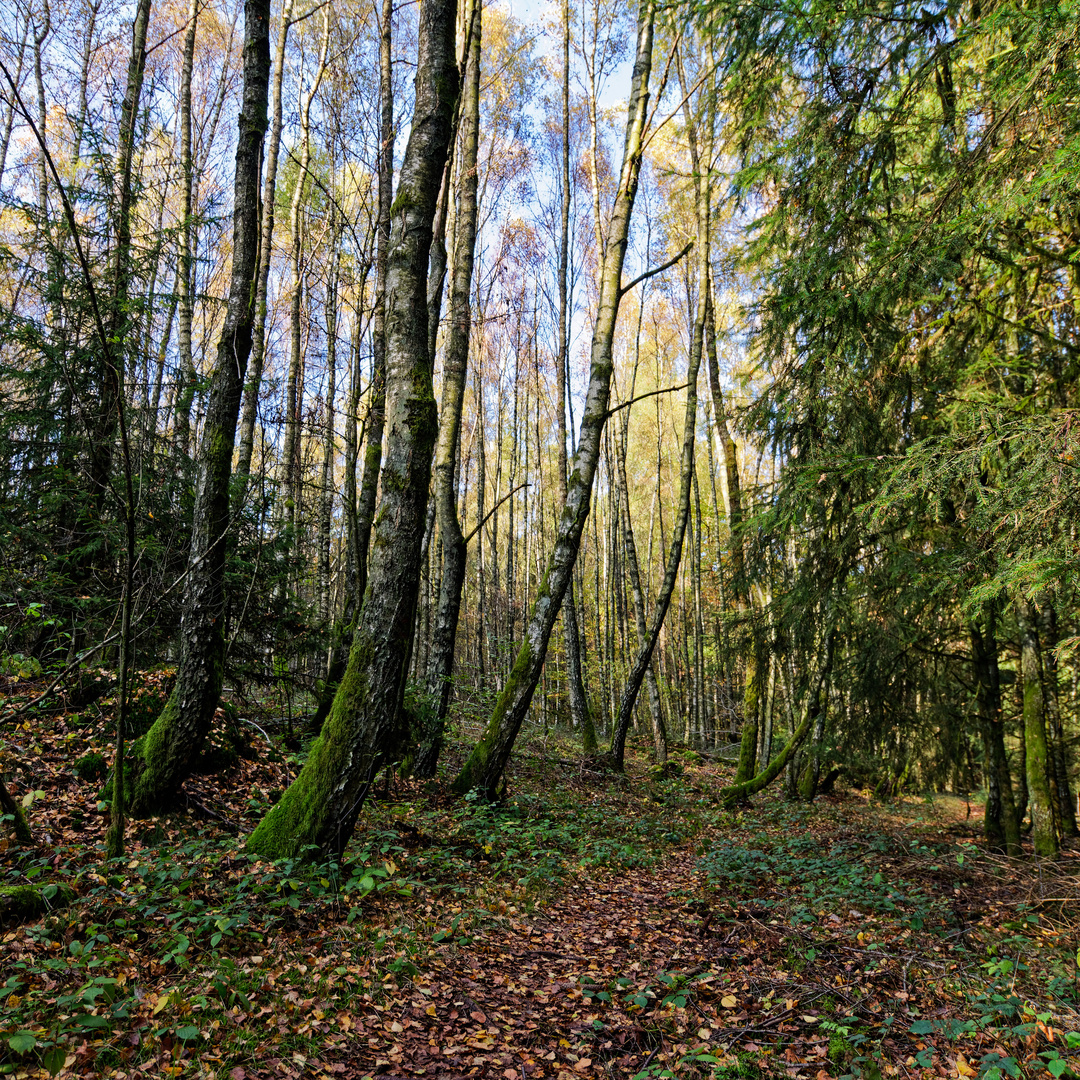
pixel 1000 825
pixel 485 765
pixel 172 745
pixel 318 812
pixel 360 509
pixel 811 715
pixel 1038 763
pixel 580 714
pixel 455 370
pixel 20 827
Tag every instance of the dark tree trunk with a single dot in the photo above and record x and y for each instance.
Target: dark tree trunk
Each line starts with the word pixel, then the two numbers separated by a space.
pixel 176 738
pixel 363 731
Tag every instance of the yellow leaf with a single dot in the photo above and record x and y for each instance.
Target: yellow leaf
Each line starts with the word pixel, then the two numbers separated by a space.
pixel 962 1067
pixel 729 1001
pixel 430 1010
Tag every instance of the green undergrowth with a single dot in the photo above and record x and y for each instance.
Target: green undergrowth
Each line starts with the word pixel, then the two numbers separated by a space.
pixel 909 915
pixel 180 955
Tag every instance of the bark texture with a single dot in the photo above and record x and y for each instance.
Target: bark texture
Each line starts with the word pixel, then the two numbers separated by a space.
pixel 455 370
pixel 173 743
pixel 1044 833
pixel 318 812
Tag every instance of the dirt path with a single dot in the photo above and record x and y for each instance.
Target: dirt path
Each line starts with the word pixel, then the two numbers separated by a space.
pixel 512 1001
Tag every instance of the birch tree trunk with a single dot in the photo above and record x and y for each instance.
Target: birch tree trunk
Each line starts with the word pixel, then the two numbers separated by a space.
pixel 171 746
pixel 579 704
pixel 484 768
pixel 360 510
pixel 703 202
pixel 294 393
pixel 266 239
pixel 660 750
pixel 455 367
pixel 185 392
pixel 363 732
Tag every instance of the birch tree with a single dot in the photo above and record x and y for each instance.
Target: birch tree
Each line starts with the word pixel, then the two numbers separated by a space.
pixel 362 733
pixel 171 746
pixel 485 766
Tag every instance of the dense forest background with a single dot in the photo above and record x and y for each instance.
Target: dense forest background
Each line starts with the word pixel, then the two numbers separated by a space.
pixel 850 542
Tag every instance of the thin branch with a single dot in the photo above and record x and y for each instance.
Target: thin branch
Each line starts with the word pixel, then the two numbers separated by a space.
pixel 656 270
pixel 642 397
pixel 493 509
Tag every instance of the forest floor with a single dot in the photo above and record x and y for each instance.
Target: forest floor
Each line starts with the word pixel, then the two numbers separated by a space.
pixel 593 926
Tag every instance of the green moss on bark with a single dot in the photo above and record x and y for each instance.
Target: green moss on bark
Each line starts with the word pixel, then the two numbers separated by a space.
pixel 475 772
pixel 149 764
pixel 304 821
pixel 23 903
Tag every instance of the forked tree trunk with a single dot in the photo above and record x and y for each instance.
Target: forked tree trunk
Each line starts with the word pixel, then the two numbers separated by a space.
pixel 484 768
pixel 172 745
pixel 318 812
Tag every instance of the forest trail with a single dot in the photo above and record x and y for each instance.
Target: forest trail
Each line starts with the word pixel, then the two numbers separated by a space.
pixel 513 1000
pixel 587 928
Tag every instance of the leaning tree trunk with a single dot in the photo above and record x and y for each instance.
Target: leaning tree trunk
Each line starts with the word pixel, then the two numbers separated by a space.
pixel 660 747
pixel 455 368
pixel 703 202
pixel 177 736
pixel 485 765
pixel 671 571
pixel 363 732
pixel 360 511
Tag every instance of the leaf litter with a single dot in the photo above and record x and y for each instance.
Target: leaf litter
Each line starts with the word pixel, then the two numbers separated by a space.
pixel 592 927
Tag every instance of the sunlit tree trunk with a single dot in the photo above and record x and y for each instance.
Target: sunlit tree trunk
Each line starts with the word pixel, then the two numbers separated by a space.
pixel 266 239
pixel 363 732
pixel 485 765
pixel 703 202
pixel 659 731
pixel 360 511
pixel 455 368
pixel 326 486
pixel 186 377
pixel 294 390
pixel 579 704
